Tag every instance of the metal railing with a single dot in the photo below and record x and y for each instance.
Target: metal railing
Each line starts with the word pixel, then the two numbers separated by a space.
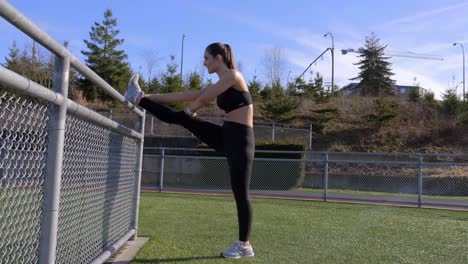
pixel 263 131
pixel 69 177
pixel 428 180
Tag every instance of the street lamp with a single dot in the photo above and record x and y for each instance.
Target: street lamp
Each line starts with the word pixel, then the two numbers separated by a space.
pixel 333 58
pixel 287 82
pixel 463 50
pixel 182 57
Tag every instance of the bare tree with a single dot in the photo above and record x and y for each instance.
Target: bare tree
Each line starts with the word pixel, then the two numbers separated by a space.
pixel 151 60
pixel 239 65
pixel 274 64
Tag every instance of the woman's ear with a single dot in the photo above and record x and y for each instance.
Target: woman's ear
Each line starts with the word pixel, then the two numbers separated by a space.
pixel 219 58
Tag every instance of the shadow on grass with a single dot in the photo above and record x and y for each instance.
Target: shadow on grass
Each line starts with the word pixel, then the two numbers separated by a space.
pixel 173 259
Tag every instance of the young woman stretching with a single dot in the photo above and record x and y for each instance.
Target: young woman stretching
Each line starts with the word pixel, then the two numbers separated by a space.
pixel 235 138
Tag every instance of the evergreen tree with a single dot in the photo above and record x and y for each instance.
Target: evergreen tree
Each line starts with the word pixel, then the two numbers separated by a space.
pixel 34 65
pixel 104 58
pixel 254 88
pixel 323 117
pixel 450 102
pixel 13 59
pixel 277 106
pixel 291 90
pixel 384 114
pixel 429 97
pixel 414 95
pixel 195 81
pixel 171 82
pixel 154 85
pixel 266 92
pixel 280 108
pixel 375 76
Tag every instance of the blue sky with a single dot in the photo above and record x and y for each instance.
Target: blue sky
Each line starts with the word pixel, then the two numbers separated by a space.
pixel 153 29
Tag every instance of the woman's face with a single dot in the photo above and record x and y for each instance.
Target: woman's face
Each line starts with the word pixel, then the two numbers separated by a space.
pixel 210 62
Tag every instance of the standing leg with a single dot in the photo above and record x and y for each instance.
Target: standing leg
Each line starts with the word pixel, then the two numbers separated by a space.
pixel 206 131
pixel 239 148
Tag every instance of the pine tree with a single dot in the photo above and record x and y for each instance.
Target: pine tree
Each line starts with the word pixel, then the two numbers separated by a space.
pixel 171 82
pixel 450 102
pixel 254 88
pixel 154 86
pixel 195 81
pixel 414 95
pixel 34 65
pixel 13 59
pixel 104 58
pixel 375 76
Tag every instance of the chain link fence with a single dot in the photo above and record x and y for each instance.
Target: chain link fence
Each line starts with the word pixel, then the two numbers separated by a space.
pixel 23 146
pixel 271 132
pixel 69 177
pixel 401 178
pixel 97 190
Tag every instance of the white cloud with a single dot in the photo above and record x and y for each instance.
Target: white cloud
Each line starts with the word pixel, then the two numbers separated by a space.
pixel 417 18
pixel 406 76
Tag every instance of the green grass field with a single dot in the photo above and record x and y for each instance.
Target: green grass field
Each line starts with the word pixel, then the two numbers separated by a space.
pixel 195 228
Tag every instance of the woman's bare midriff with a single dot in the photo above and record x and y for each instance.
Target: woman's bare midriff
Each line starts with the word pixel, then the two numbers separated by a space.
pixel 243 115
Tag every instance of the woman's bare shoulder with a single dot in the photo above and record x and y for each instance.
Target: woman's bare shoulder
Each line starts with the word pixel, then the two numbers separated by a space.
pixel 240 83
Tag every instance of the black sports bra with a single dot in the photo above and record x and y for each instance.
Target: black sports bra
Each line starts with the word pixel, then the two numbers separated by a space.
pixel 232 99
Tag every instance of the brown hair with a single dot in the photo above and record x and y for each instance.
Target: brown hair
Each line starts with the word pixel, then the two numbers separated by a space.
pixel 224 50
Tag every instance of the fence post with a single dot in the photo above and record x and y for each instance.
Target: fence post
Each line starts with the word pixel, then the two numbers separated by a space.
pixel 420 181
pixel 53 177
pixel 152 125
pixel 161 173
pixel 139 165
pixel 273 133
pixel 325 178
pixel 310 136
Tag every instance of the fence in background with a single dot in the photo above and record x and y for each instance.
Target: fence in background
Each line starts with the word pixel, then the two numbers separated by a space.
pixel 263 131
pixel 401 178
pixel 69 177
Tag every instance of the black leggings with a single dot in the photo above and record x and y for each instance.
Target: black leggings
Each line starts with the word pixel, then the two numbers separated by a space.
pixel 235 140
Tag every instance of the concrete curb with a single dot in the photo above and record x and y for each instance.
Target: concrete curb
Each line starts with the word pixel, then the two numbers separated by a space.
pixel 127 252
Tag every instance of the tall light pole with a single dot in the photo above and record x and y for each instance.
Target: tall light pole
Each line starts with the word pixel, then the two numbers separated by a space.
pixel 333 58
pixel 182 57
pixel 463 50
pixel 287 82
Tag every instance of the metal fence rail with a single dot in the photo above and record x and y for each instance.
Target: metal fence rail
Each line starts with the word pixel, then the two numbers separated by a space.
pixel 273 132
pixel 69 177
pixel 401 178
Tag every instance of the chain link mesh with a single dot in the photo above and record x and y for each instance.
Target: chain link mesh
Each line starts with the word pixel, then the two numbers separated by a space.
pixel 97 190
pixel 201 173
pixel 353 177
pixel 23 146
pixel 445 183
pixel 378 180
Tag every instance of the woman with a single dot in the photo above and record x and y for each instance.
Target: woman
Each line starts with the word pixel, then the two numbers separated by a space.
pixel 234 138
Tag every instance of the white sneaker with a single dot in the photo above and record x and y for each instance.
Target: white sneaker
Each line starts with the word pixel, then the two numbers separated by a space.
pixel 237 250
pixel 133 91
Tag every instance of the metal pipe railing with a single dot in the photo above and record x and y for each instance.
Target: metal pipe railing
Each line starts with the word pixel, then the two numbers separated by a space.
pixel 114 247
pixel 53 179
pixel 59 108
pixel 136 194
pixel 20 83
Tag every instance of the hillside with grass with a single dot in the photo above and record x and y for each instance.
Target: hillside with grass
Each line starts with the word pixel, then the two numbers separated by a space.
pixel 388 124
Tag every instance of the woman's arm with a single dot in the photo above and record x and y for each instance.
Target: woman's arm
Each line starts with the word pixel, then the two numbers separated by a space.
pixel 175 97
